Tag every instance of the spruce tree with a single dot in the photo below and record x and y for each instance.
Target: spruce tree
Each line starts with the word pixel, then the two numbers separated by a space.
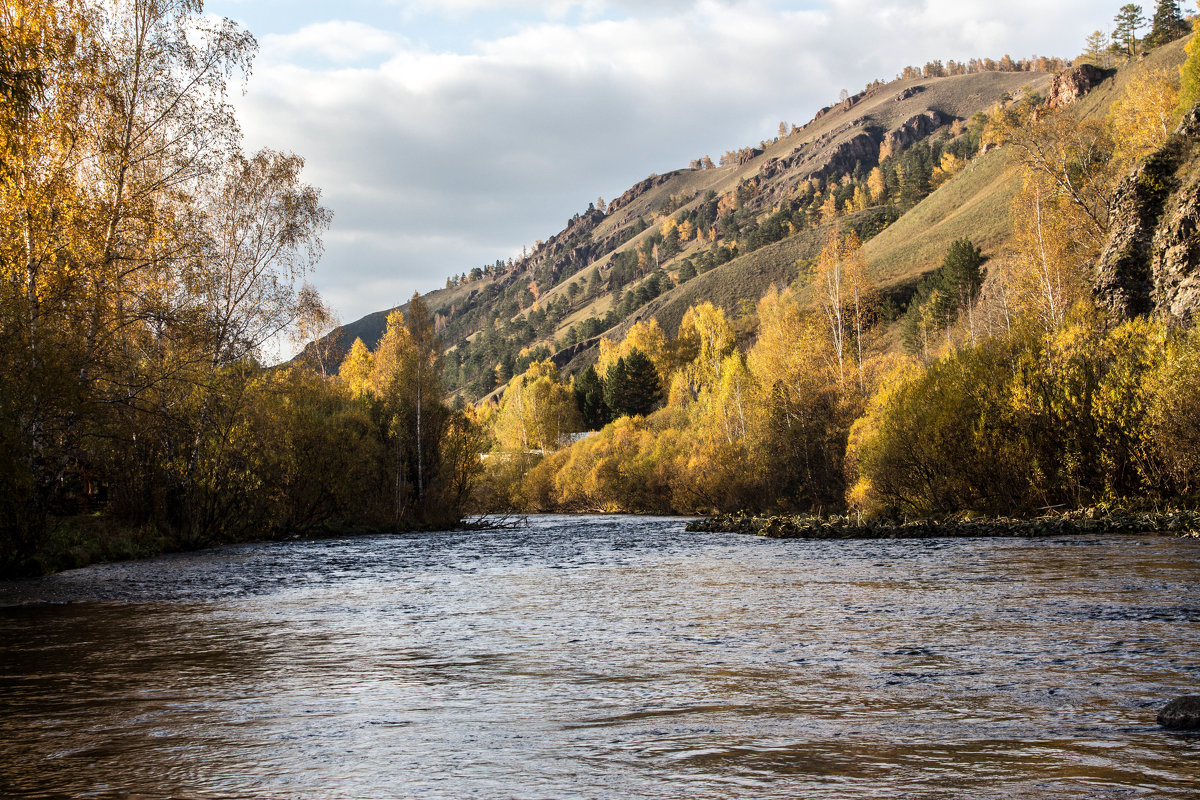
pixel 589 397
pixel 632 385
pixel 643 387
pixel 615 389
pixel 960 275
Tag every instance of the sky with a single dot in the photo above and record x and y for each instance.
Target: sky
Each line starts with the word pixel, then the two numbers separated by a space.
pixel 446 134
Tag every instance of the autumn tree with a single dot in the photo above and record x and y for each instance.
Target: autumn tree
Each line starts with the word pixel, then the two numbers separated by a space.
pixel 537 410
pixel 1070 162
pixel 844 300
pixel 798 435
pixel 317 330
pixel 357 366
pixel 705 339
pixel 1189 71
pixel 264 235
pixel 876 186
pixel 1144 116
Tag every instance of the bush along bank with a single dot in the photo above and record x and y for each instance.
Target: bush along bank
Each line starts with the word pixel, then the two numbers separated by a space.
pixel 1086 521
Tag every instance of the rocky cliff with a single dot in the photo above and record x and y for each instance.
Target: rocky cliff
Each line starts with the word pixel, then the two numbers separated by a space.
pixel 1151 264
pixel 1072 84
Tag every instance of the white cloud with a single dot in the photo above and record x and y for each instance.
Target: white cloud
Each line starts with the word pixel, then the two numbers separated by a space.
pixel 339 42
pixel 436 162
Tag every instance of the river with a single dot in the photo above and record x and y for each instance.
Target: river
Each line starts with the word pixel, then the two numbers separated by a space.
pixel 607 657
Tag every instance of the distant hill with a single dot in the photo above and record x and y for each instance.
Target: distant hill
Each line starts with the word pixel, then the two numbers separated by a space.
pixel 760 214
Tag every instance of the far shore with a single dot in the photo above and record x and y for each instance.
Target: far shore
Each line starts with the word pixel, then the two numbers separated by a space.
pixel 1185 524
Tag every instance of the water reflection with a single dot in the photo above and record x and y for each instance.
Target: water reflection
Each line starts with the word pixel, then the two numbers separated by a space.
pixel 606 657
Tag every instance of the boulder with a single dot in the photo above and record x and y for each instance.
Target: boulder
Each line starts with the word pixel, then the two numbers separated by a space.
pixel 1181 714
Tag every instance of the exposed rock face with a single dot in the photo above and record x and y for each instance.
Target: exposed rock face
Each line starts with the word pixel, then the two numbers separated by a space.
pixel 1181 714
pixel 638 189
pixel 845 157
pixel 911 91
pixel 1151 263
pixel 564 356
pixel 916 128
pixel 1074 83
pixel 748 155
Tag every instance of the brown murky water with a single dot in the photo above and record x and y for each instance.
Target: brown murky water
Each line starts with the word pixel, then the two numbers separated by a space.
pixel 607 657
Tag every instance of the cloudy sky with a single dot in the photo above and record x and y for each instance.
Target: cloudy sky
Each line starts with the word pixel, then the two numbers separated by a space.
pixel 448 133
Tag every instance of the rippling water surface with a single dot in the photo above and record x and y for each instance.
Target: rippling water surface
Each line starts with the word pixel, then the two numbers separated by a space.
pixel 607 657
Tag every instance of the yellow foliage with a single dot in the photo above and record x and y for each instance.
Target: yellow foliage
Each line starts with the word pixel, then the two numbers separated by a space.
pixel 877 186
pixel 1145 115
pixel 646 336
pixel 1048 274
pixel 862 200
pixel 829 209
pixel 705 339
pixel 537 410
pixel 355 372
pixel 394 351
pixel 1189 71
pixel 950 166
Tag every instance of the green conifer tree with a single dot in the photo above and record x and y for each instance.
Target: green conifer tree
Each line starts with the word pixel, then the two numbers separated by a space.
pixel 643 387
pixel 632 385
pixel 589 397
pixel 1126 24
pixel 1168 24
pixel 615 387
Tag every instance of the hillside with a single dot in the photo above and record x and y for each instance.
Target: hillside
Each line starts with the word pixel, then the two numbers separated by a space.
pixel 726 234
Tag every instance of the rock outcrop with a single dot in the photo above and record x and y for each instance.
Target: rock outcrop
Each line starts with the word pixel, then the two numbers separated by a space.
pixel 1072 84
pixel 861 148
pixel 747 155
pixel 916 128
pixel 1151 263
pixel 638 189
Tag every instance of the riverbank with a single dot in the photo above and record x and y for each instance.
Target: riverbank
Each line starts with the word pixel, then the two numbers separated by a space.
pixel 785 526
pixel 72 542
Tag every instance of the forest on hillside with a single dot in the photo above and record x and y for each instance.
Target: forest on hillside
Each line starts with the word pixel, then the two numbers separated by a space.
pixel 1003 385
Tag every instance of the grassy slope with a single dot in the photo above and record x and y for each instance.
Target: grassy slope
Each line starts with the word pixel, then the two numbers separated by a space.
pixel 974 204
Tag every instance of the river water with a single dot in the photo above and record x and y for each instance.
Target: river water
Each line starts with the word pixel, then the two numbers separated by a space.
pixel 607 657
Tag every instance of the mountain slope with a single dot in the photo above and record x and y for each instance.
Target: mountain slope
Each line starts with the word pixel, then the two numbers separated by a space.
pixel 762 218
